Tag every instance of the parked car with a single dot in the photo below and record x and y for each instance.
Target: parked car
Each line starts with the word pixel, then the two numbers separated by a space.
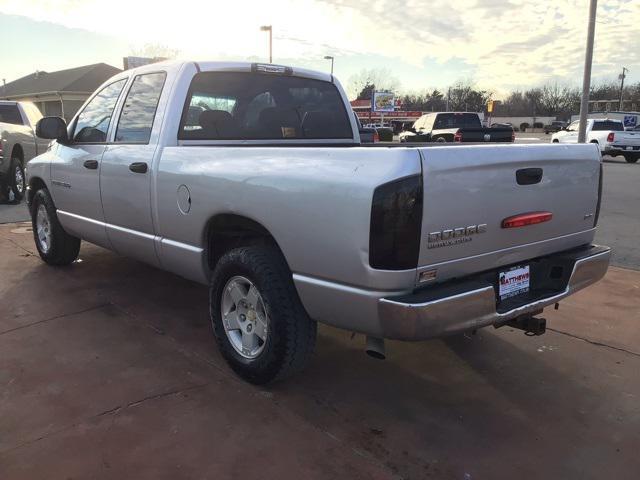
pixel 269 200
pixel 554 126
pixel 367 135
pixel 454 127
pixel 608 134
pixel 18 145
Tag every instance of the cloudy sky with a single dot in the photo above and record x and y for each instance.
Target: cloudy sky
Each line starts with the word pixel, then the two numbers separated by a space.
pixel 499 44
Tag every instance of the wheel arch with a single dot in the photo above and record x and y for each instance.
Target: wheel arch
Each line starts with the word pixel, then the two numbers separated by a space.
pixel 225 231
pixel 35 184
pixel 18 152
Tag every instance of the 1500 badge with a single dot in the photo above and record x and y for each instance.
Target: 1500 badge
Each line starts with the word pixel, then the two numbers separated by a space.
pixel 454 236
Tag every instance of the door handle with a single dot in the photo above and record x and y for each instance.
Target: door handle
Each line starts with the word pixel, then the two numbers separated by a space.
pixel 91 164
pixel 528 176
pixel 138 167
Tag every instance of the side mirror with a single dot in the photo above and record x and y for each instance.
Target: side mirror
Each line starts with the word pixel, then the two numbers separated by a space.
pixel 52 128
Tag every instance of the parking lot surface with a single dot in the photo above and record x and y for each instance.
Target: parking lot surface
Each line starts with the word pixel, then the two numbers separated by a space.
pixel 109 370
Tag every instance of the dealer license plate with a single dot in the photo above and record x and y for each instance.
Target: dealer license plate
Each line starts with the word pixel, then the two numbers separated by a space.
pixel 513 282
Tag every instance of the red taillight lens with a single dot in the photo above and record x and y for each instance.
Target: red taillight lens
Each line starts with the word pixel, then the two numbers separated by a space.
pixel 376 137
pixel 457 137
pixel 611 137
pixel 513 136
pixel 525 219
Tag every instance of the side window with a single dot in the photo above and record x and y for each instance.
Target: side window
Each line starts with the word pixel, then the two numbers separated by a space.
pixel 573 127
pixel 139 110
pixel 93 122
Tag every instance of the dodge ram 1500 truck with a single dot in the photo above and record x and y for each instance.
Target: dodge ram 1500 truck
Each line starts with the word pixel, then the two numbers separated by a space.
pixel 18 145
pixel 455 127
pixel 251 179
pixel 608 134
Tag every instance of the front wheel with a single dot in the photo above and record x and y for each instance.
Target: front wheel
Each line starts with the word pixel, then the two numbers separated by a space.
pixel 17 185
pixel 631 157
pixel 55 246
pixel 260 325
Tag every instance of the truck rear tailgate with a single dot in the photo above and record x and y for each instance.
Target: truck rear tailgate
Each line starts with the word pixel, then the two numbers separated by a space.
pixel 470 190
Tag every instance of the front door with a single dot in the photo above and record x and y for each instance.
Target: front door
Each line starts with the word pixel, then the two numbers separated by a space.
pixel 127 168
pixel 75 169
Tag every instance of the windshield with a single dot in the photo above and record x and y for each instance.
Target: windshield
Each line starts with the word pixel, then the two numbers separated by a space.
pixel 255 106
pixel 608 125
pixel 457 120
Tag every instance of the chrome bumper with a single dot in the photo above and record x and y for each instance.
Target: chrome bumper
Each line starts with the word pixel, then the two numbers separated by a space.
pixel 477 307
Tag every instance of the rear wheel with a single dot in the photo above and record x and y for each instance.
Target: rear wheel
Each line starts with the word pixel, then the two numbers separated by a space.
pixel 631 157
pixel 55 246
pixel 17 185
pixel 260 325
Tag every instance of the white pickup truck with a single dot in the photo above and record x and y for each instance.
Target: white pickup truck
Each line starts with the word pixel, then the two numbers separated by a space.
pixel 251 179
pixel 18 145
pixel 608 134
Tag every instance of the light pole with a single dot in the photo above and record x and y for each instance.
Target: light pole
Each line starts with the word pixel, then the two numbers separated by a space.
pixel 268 28
pixel 329 57
pixel 586 79
pixel 622 76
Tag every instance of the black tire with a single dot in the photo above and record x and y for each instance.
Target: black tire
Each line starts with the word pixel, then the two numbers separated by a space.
pixel 16 182
pixel 63 248
pixel 631 158
pixel 555 140
pixel 291 334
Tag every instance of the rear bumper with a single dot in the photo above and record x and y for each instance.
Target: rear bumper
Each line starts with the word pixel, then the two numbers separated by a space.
pixel 471 303
pixel 612 149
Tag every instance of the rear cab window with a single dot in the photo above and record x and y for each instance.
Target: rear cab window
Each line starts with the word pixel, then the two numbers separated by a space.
pixel 607 125
pixel 456 120
pixel 256 106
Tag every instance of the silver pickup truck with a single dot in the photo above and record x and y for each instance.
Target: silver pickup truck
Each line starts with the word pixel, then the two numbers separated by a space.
pixel 18 145
pixel 250 178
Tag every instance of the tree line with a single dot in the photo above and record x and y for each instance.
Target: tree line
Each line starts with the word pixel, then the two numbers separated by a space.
pixel 554 100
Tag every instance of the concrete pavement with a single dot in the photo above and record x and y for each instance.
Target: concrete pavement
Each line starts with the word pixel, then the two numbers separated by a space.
pixel 109 371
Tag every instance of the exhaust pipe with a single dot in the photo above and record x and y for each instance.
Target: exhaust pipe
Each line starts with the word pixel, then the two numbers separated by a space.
pixel 375 348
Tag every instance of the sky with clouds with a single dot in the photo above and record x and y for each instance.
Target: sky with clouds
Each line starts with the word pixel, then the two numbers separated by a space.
pixel 499 44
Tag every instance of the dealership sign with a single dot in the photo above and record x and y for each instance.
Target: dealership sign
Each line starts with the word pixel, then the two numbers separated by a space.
pixel 365 114
pixel 383 102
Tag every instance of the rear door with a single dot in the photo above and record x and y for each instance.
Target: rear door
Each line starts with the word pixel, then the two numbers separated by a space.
pixel 75 168
pixel 127 170
pixel 470 190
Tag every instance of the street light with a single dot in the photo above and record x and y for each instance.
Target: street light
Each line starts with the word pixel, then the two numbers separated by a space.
pixel 622 76
pixel 268 28
pixel 329 57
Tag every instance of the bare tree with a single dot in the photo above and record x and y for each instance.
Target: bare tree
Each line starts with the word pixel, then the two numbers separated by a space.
pixel 381 79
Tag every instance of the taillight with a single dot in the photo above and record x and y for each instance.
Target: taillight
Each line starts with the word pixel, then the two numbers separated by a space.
pixel 513 136
pixel 611 137
pixel 396 223
pixel 457 137
pixel 376 137
pixel 525 219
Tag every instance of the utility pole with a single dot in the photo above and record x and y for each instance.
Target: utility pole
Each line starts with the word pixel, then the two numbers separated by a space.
pixel 586 80
pixel 269 28
pixel 329 57
pixel 622 76
pixel 448 98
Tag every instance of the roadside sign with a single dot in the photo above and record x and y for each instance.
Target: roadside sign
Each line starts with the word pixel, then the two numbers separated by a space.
pixel 383 102
pixel 490 106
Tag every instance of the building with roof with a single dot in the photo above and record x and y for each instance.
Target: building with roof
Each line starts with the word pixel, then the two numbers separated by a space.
pixel 59 93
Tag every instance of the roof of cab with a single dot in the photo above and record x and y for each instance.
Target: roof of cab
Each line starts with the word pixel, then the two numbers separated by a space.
pixel 207 66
